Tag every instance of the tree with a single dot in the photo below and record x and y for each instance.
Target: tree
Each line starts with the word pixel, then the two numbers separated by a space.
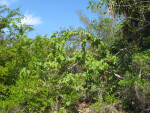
pixel 11 53
pixel 134 16
pixel 102 26
pixel 131 44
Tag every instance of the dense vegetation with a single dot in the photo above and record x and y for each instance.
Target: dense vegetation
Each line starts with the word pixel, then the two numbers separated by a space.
pixel 106 65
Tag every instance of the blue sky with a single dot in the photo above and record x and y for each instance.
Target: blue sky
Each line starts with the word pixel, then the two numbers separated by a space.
pixel 49 16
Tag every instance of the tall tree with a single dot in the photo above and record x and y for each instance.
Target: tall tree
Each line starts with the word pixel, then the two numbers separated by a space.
pixel 132 47
pixel 101 26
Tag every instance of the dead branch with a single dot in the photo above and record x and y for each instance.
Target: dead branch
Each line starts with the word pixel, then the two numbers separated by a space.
pixel 114 74
pixel 120 51
pixel 118 76
pixel 73 65
pixel 140 75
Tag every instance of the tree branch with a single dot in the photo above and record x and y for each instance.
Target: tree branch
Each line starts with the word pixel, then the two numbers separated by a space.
pixel 115 75
pixel 73 65
pixel 118 76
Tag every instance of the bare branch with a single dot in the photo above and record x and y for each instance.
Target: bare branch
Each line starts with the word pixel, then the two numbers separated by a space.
pixel 120 51
pixel 73 65
pixel 140 74
pixel 118 76
pixel 114 74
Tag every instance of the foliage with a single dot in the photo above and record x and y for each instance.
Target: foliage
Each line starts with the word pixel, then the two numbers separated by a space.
pixel 72 66
pixel 131 49
pixel 103 26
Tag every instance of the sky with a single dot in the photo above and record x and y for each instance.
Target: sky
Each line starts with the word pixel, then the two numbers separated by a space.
pixel 48 16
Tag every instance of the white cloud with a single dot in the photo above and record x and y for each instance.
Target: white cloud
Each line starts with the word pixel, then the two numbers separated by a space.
pixel 3 2
pixel 31 20
pixel 7 2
